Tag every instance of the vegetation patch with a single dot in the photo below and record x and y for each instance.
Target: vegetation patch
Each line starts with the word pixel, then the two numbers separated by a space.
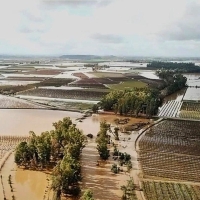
pixel 133 102
pixel 128 85
pixel 107 74
pixel 64 94
pixel 190 110
pixel 180 67
pixel 170 150
pixel 167 190
pixel 59 150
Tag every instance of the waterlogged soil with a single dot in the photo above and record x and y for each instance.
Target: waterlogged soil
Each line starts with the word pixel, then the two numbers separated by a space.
pixel 21 121
pixel 34 185
pixel 26 184
pixel 104 184
pixel 178 96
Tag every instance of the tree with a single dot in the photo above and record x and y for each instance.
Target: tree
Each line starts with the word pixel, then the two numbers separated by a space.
pixel 64 145
pixel 95 108
pixel 22 154
pixel 87 195
pixel 115 169
pixel 129 190
pixel 102 140
pixel 116 133
pixel 66 175
pixel 103 151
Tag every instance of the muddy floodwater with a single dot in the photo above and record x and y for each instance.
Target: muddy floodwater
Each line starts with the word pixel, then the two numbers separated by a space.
pixel 34 185
pixel 178 96
pixel 21 121
pixel 26 184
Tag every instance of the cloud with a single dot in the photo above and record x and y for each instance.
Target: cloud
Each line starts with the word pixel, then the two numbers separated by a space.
pixel 137 27
pixel 107 38
pixel 76 3
pixel 34 17
pixel 187 28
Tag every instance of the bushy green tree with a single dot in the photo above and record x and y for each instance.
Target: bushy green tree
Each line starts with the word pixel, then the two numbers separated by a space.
pixel 102 140
pixel 64 145
pixel 87 195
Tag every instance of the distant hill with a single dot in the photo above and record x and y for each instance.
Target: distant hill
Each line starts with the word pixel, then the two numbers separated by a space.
pixel 85 57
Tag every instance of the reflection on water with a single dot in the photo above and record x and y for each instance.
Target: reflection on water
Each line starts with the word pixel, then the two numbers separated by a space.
pixel 149 74
pixel 192 93
pixel 178 96
pixel 193 79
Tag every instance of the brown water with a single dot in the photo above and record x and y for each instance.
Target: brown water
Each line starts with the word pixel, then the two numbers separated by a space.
pixel 178 96
pixel 32 185
pixel 21 121
pixel 27 185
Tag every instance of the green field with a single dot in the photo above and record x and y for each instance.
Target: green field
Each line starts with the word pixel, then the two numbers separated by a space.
pixel 106 74
pixel 127 84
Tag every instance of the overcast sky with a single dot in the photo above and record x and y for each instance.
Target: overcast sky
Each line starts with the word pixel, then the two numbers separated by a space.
pixel 100 27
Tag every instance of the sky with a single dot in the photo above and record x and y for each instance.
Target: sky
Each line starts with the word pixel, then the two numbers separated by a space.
pixel 100 27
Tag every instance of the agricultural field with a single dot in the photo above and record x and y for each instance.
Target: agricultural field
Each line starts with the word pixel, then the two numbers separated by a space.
pixel 12 89
pixel 88 83
pixel 74 106
pixel 107 74
pixel 8 143
pixel 115 78
pixel 190 110
pixel 170 109
pixel 65 94
pixel 171 150
pixel 170 191
pixel 11 102
pixel 128 84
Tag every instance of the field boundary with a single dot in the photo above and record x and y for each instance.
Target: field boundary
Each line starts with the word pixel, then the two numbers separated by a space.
pixel 144 130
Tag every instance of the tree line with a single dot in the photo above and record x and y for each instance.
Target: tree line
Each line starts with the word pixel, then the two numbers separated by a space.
pixel 134 101
pixel 59 149
pixel 179 67
pixel 173 80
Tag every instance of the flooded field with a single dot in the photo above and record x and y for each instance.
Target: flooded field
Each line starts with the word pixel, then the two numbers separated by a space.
pixel 193 92
pixel 99 179
pixel 177 96
pixel 170 150
pixel 24 120
pixel 148 74
pixel 193 79
pixel 11 102
pixel 123 64
pixel 26 184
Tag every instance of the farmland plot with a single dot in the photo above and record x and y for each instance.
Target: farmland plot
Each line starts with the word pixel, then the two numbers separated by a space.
pixel 171 150
pixel 170 191
pixel 170 109
pixel 11 102
pixel 190 110
pixel 65 94
pixel 88 83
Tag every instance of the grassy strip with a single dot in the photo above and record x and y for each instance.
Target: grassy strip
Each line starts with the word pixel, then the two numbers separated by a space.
pixel 106 74
pixel 128 84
